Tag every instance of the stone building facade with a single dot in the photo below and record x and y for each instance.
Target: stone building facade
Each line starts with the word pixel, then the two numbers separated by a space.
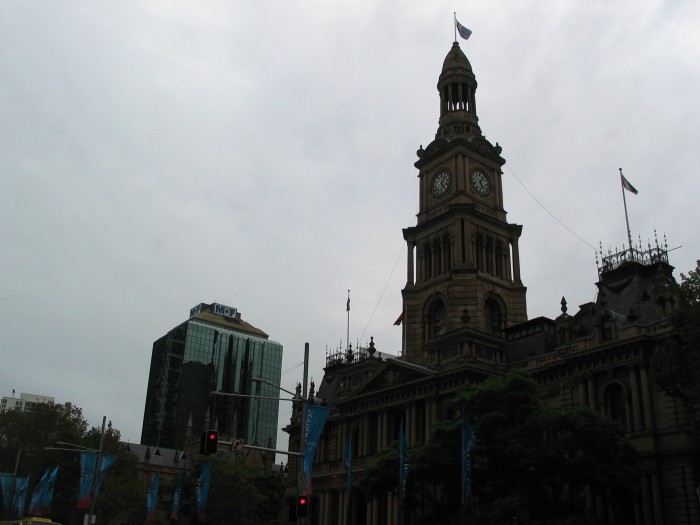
pixel 465 319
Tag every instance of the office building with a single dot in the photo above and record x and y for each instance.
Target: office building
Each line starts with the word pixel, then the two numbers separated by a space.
pixel 25 402
pixel 213 353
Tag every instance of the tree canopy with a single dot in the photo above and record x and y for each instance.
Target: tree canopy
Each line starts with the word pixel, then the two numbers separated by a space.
pixel 530 461
pixel 29 440
pixel 252 494
pixel 676 362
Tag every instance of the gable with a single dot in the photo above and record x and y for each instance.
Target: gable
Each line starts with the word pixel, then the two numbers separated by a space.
pixel 395 372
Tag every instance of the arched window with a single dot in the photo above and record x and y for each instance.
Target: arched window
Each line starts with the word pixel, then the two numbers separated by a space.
pixel 437 317
pixel 427 262
pixel 447 252
pixel 614 400
pixel 479 252
pixel 438 257
pixel 493 316
pixel 500 260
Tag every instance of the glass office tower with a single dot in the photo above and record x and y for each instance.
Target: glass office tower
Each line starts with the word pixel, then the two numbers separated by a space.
pixel 213 351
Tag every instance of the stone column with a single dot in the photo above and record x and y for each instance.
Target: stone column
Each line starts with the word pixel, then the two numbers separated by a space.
pixel 656 494
pixel 361 435
pixel 647 501
pixel 646 398
pixel 410 275
pixel 591 393
pixel 384 441
pixel 636 401
pixel 516 261
pixel 413 434
pixel 582 392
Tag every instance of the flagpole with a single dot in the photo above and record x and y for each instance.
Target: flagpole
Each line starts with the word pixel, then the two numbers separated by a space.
pixel 454 23
pixel 627 221
pixel 347 341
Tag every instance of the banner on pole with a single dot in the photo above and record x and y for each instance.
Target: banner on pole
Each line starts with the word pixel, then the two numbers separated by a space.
pixel 316 417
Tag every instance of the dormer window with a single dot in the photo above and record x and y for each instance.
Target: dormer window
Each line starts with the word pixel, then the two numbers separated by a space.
pixel 606 328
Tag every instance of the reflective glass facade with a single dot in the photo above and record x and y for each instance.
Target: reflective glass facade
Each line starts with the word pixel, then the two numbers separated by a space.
pixel 202 356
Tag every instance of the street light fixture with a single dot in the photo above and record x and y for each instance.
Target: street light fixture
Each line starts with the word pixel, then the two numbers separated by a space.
pixel 278 387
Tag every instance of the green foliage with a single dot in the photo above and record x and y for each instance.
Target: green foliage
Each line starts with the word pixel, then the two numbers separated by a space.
pixel 530 461
pixel 676 362
pixel 49 425
pixel 122 498
pixel 251 494
pixel 538 459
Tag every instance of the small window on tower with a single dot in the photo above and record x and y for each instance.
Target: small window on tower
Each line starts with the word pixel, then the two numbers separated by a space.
pixel 493 316
pixel 436 319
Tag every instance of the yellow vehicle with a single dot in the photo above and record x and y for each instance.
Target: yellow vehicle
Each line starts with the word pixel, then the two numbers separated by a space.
pixel 30 521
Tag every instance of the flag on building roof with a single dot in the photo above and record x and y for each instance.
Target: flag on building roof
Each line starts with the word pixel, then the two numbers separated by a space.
pixel 626 184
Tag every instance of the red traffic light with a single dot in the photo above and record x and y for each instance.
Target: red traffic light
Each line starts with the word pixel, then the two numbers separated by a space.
pixel 209 442
pixel 302 506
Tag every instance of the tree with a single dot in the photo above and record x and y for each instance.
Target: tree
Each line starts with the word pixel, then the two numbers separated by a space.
pixel 252 494
pixel 676 362
pixel 539 462
pixel 122 497
pixel 46 425
pixel 530 461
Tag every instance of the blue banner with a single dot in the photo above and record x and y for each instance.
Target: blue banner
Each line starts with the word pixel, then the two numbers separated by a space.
pixel 347 459
pixel 403 464
pixel 202 492
pixel 6 482
pixel 87 475
pixel 468 443
pixel 41 500
pixel 177 496
pixel 152 498
pixel 316 417
pixel 21 487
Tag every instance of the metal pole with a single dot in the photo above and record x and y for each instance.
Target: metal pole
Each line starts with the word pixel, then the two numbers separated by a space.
pixel 347 343
pixel 14 482
pixel 627 221
pixel 93 496
pixel 303 420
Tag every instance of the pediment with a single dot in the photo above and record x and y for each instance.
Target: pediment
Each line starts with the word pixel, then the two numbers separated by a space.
pixel 394 373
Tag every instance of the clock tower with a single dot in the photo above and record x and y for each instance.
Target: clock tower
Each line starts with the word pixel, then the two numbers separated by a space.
pixel 463 285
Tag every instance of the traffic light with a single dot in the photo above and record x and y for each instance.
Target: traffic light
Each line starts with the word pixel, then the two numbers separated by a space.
pixel 302 506
pixel 209 442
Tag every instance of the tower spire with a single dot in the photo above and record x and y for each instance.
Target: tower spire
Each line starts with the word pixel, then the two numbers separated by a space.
pixel 457 87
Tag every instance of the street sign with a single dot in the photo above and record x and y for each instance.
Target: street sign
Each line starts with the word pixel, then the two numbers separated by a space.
pixel 237 444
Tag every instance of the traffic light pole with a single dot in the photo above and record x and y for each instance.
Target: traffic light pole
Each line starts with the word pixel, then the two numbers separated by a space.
pixel 302 473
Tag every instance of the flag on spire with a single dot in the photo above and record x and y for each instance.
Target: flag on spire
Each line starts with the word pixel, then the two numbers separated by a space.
pixel 463 31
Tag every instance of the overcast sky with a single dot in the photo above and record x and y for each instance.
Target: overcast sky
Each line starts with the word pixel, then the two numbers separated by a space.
pixel 159 154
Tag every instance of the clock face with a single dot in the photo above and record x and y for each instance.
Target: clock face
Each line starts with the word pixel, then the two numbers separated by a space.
pixel 480 182
pixel 441 183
